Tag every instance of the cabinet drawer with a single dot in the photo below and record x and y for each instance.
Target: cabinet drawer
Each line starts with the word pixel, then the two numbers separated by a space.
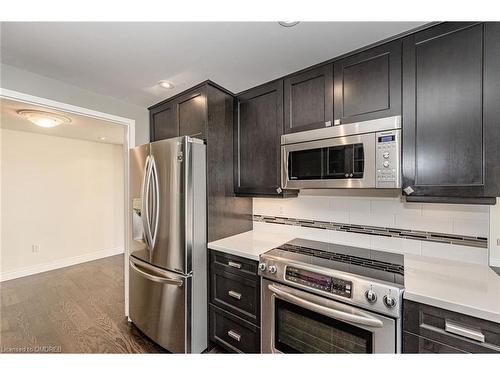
pixel 233 264
pixel 233 333
pixel 236 294
pixel 460 331
pixel 413 344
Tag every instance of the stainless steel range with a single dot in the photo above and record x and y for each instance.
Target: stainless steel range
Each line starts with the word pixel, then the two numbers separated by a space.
pixel 327 298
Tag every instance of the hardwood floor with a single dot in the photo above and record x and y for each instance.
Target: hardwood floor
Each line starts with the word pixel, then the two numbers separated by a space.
pixel 77 309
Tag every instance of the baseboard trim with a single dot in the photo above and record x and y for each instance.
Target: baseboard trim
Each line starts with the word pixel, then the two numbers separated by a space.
pixel 59 263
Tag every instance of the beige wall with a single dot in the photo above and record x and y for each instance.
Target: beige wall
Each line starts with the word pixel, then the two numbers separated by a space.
pixel 64 194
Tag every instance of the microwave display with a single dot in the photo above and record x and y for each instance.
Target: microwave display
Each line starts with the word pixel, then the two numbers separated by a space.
pixel 387 138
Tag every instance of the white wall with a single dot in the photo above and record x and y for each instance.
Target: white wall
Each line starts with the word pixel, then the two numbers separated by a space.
pixel 16 79
pixel 383 211
pixel 64 194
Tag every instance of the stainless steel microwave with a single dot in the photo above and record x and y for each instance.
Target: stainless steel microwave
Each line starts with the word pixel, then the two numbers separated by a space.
pixel 359 155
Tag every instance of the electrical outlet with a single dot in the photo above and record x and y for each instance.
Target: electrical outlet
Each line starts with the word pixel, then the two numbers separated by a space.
pixel 498 241
pixel 35 248
pixel 281 210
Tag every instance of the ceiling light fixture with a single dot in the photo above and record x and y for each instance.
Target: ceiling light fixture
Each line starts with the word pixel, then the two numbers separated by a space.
pixel 288 23
pixel 165 84
pixel 102 138
pixel 44 119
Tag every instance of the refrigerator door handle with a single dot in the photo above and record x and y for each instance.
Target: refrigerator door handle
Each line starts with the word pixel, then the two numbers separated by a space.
pixel 156 202
pixel 154 278
pixel 145 202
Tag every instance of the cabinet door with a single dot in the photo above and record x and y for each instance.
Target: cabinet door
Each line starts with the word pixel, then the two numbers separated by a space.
pixel 443 111
pixel 191 113
pixel 367 85
pixel 257 140
pixel 162 123
pixel 309 100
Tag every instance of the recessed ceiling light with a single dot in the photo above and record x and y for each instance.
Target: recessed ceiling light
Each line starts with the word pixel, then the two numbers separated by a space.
pixel 288 23
pixel 44 119
pixel 166 84
pixel 102 138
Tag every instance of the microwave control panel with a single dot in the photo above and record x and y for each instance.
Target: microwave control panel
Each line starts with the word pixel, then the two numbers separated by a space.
pixel 319 281
pixel 387 159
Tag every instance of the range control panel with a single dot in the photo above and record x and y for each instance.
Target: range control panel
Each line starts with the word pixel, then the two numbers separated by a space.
pixel 387 159
pixel 318 281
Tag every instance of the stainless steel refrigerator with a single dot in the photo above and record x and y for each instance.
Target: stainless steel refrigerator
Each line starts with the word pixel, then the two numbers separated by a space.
pixel 167 265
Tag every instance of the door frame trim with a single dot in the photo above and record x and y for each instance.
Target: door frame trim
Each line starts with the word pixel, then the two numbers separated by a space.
pixel 128 126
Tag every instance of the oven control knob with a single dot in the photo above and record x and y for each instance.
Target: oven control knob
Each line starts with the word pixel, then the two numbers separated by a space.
pixel 390 301
pixel 272 269
pixel 262 267
pixel 371 296
pixel 386 164
pixel 385 155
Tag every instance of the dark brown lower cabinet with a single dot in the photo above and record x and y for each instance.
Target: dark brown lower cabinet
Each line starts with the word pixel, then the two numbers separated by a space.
pixel 233 333
pixel 234 316
pixel 429 329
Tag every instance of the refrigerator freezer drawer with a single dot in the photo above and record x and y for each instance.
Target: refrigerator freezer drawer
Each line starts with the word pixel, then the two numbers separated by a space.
pixel 158 305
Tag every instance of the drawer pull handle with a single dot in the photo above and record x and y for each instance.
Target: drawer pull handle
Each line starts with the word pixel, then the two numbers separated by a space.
pixel 460 330
pixel 234 264
pixel 234 294
pixel 234 335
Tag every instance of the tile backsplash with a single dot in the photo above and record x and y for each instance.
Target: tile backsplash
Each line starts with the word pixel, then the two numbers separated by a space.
pixel 387 212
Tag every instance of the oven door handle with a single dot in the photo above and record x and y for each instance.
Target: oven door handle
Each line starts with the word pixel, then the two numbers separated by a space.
pixel 327 311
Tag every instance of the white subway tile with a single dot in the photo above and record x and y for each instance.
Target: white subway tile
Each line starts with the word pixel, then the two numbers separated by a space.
pixel 351 239
pixel 395 206
pixel 455 252
pixel 471 227
pixel 309 207
pixel 350 204
pixel 378 220
pixel 323 235
pixel 431 224
pixel 463 211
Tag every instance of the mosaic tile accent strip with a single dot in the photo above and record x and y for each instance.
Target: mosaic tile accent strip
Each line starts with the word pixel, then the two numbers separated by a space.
pixel 345 258
pixel 453 239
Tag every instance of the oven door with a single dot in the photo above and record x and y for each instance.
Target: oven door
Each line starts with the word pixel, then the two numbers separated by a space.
pixel 344 162
pixel 294 321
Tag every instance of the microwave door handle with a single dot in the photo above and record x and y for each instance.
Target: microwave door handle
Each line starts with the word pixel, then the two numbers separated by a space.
pixel 154 278
pixel 327 311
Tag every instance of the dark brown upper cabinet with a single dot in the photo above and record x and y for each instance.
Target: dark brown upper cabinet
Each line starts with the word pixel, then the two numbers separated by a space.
pixel 185 114
pixel 449 111
pixel 309 100
pixel 162 123
pixel 258 129
pixel 367 85
pixel 191 113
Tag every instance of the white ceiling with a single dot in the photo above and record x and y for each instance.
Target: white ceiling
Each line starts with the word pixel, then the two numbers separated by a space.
pixel 81 127
pixel 125 60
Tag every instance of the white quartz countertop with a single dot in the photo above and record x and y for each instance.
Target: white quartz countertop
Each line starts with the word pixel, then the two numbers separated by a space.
pixel 250 244
pixel 467 288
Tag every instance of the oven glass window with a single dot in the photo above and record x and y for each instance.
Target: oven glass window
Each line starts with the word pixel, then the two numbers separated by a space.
pixel 327 163
pixel 298 330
